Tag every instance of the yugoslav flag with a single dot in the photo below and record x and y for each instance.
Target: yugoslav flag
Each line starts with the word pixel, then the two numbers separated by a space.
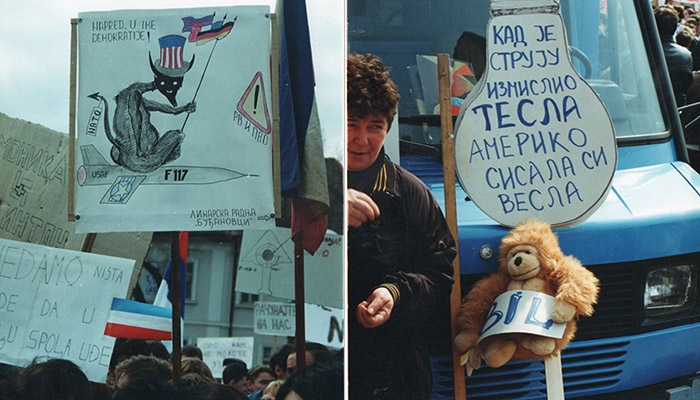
pixel 303 168
pixel 133 320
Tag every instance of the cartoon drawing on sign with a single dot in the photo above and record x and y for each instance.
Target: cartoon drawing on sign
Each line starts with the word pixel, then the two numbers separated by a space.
pixel 138 149
pixel 137 144
pixel 268 253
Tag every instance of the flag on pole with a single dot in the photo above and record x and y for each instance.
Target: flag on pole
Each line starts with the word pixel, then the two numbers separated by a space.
pixel 164 296
pixel 303 168
pixel 133 320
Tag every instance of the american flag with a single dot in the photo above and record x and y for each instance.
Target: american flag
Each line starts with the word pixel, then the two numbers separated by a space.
pixel 171 51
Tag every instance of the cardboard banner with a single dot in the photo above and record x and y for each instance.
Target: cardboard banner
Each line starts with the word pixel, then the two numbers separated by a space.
pixel 54 303
pixel 266 267
pixel 522 311
pixel 173 120
pixel 533 140
pixel 323 324
pixel 216 349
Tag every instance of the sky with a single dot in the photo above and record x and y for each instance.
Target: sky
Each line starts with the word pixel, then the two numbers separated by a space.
pixel 35 54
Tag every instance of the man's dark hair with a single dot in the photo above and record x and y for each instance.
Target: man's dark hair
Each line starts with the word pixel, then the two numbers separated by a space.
pixel 235 371
pixel 158 350
pixel 192 351
pixel 279 358
pixel 370 89
pixel 53 379
pixel 211 392
pixel 127 348
pixel 322 381
pixel 320 352
pixel 149 388
pixel 146 366
pixel 666 20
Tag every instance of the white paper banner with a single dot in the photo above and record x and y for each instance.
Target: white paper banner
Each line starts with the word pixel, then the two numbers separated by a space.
pixel 266 267
pixel 190 149
pixel 522 311
pixel 216 349
pixel 323 324
pixel 54 303
pixel 276 319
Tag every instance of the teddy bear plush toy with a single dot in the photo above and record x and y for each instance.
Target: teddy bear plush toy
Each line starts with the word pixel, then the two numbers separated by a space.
pixel 529 259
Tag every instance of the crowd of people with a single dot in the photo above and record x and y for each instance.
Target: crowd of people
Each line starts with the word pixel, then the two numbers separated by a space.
pixel 142 370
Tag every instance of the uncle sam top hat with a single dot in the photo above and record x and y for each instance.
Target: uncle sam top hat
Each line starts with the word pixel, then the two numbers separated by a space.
pixel 171 61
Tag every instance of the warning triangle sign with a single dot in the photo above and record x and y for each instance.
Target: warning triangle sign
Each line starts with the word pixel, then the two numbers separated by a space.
pixel 253 104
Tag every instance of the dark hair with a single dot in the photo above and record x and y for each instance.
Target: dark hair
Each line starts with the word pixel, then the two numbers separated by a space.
pixel 192 351
pixel 666 20
pixel 279 358
pixel 685 37
pixel 370 89
pixel 320 352
pixel 146 366
pixel 128 348
pixel 259 369
pixel 322 381
pixel 148 388
pixel 55 379
pixel 158 350
pixel 234 372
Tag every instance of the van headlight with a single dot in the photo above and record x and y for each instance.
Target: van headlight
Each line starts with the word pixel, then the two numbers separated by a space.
pixel 670 289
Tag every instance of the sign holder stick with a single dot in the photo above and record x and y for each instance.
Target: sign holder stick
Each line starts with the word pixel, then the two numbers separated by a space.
pixel 300 333
pixel 71 116
pixel 553 377
pixel 274 89
pixel 448 170
pixel 175 290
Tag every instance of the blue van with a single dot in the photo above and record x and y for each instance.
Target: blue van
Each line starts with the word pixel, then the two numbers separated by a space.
pixel 643 243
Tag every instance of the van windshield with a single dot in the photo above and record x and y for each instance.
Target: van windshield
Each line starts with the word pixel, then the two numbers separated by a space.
pixel 605 41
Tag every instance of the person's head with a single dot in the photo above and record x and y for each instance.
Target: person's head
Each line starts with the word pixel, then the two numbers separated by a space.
pixel 685 37
pixel 236 374
pixel 191 351
pixel 666 20
pixel 53 379
pixel 322 381
pixel 687 12
pixel 258 378
pixel 315 353
pixel 151 388
pixel 278 361
pixel 195 366
pixel 372 98
pixel 142 367
pixel 158 350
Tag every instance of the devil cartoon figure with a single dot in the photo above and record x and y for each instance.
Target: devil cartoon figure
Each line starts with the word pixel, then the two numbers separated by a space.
pixel 137 145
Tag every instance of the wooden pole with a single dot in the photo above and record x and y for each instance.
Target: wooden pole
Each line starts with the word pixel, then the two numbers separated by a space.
pixel 175 290
pixel 300 333
pixel 553 377
pixel 71 116
pixel 275 71
pixel 448 171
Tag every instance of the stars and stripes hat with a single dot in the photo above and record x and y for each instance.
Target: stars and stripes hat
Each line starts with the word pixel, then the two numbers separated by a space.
pixel 171 61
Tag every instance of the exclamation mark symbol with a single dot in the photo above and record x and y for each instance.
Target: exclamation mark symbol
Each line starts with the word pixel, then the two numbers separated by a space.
pixel 255 102
pixel 148 34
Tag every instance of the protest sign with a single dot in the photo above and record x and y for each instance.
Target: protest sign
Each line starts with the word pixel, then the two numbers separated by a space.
pixel 522 311
pixel 216 349
pixel 323 324
pixel 173 120
pixel 277 319
pixel 533 139
pixel 34 192
pixel 266 267
pixel 55 302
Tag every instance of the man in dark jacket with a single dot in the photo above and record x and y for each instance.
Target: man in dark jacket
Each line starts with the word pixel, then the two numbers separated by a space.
pixel 399 249
pixel 678 59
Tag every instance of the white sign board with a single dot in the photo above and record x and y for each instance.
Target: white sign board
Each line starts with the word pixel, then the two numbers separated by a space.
pixel 533 139
pixel 323 324
pixel 522 311
pixel 266 266
pixel 54 303
pixel 276 319
pixel 216 349
pixel 173 122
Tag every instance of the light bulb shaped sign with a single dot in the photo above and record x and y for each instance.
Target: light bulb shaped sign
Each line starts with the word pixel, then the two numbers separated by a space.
pixel 533 140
